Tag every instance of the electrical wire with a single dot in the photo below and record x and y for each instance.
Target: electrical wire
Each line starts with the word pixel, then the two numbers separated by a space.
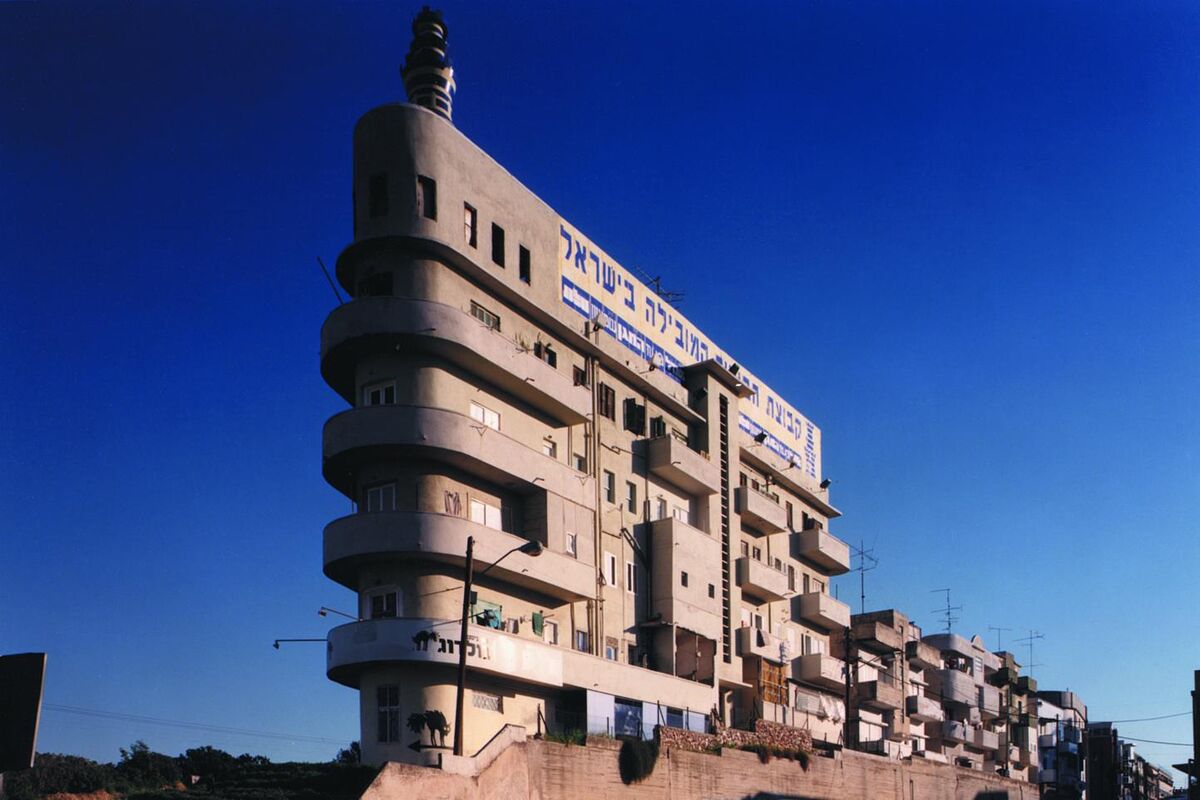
pixel 1150 719
pixel 1155 741
pixel 115 715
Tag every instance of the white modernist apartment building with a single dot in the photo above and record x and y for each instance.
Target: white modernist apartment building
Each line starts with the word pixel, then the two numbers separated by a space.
pixel 509 382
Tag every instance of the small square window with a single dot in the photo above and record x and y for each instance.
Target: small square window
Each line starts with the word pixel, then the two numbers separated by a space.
pixel 380 394
pixel 380 498
pixel 377 191
pixel 579 462
pixel 579 375
pixel 550 448
pixel 498 244
pixel 383 606
pixel 523 264
pixel 683 579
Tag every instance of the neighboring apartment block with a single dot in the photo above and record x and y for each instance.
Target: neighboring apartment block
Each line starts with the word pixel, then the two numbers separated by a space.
pixel 1116 771
pixel 510 383
pixel 1062 745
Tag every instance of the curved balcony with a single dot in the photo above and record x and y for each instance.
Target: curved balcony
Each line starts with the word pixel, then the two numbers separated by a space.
pixel 352 647
pixel 359 539
pixel 377 433
pixel 371 324
pixel 956 687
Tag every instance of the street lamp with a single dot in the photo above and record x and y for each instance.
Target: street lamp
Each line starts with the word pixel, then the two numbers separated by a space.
pixel 530 548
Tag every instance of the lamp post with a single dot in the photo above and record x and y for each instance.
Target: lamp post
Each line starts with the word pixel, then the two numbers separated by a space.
pixel 530 548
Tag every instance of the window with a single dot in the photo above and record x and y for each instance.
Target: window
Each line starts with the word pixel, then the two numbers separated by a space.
pixel 487 701
pixel 610 568
pixel 662 508
pixel 579 375
pixel 579 462
pixel 550 448
pixel 790 512
pixel 512 625
pixel 683 579
pixel 546 353
pixel 498 244
pixel 658 427
pixel 712 591
pixel 746 549
pixel 377 196
pixel 426 197
pixel 581 641
pixel 608 402
pixel 381 498
pixel 674 718
pixel 487 614
pixel 387 699
pixel 572 545
pixel 610 649
pixel 383 605
pixel 680 513
pixel 610 487
pixel 756 553
pixel 523 263
pixel 485 415
pixel 758 621
pixel 627 718
pixel 550 632
pixel 631 497
pixel 470 224
pixel 486 514
pixel 486 317
pixel 379 394
pixel 635 417
pixel 630 577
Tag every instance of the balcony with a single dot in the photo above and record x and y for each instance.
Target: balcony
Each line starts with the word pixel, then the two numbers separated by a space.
pixel 923 709
pixel 761 581
pixel 759 511
pixel 678 547
pixel 360 539
pixel 829 553
pixel 373 433
pixel 1005 676
pixel 821 670
pixel 756 642
pixel 1047 776
pixel 957 688
pixel 877 637
pixel 353 647
pixel 922 656
pixel 989 701
pixel 986 740
pixel 957 732
pixel 1026 684
pixel 822 610
pixel 899 728
pixel 377 324
pixel 669 458
pixel 879 695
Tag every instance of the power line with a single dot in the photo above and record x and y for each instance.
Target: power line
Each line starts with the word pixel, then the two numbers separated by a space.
pixel 1151 719
pixel 1155 741
pixel 174 723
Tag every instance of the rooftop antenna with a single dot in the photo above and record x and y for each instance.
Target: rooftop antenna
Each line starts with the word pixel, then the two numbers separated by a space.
pixel 1028 641
pixel 948 611
pixel 998 630
pixel 332 285
pixel 866 562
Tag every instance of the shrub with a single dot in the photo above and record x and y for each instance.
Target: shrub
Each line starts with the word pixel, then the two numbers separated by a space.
pixel 636 760
pixel 567 737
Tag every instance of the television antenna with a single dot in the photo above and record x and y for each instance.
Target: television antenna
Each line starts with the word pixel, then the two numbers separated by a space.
pixel 866 562
pixel 947 611
pixel 1028 641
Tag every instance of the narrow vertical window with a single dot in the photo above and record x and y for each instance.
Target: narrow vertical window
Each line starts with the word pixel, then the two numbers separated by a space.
pixel 471 224
pixel 523 263
pixel 610 487
pixel 426 197
pixel 631 497
pixel 498 244
pixel 388 702
pixel 377 195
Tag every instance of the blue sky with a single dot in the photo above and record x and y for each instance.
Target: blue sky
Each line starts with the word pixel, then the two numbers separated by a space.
pixel 960 237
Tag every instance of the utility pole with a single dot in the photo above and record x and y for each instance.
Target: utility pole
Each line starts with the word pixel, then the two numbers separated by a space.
pixel 462 648
pixel 847 741
pixel 1193 778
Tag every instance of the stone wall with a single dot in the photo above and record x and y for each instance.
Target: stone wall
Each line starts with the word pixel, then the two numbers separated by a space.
pixel 770 734
pixel 539 770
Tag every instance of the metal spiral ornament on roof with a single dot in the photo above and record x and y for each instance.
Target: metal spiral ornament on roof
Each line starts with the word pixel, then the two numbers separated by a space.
pixel 428 76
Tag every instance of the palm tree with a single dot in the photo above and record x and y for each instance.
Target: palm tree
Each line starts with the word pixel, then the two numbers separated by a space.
pixel 416 724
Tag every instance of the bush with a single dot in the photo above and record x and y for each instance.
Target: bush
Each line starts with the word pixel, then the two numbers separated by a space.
pixel 567 737
pixel 636 760
pixel 141 768
pixel 53 773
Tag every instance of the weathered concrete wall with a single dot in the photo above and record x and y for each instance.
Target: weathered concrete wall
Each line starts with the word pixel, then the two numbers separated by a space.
pixel 538 770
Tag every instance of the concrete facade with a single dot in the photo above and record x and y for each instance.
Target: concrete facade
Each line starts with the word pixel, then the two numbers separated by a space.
pixel 510 382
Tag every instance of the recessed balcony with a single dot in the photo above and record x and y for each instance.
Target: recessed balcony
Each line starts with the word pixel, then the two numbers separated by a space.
pixel 923 709
pixel 957 732
pixel 669 458
pixel 757 642
pixel 821 670
pixel 821 548
pixel 879 695
pixel 760 511
pixel 822 610
pixel 376 433
pixel 380 324
pixel 762 581
pixel 678 547
pixel 921 655
pixel 877 637
pixel 361 539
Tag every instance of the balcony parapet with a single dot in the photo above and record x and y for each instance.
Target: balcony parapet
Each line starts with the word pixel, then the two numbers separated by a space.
pixel 989 701
pixel 758 642
pixel 759 511
pixel 821 670
pixel 923 709
pixel 921 655
pixel 821 548
pixel 878 637
pixel 879 695
pixel 389 323
pixel 375 433
pixel 672 460
pixel 953 731
pixel 818 608
pixel 761 581
pixel 955 687
pixel 986 740
pixel 360 539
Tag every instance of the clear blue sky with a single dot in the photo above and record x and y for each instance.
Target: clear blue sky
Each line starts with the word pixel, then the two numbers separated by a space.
pixel 962 238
